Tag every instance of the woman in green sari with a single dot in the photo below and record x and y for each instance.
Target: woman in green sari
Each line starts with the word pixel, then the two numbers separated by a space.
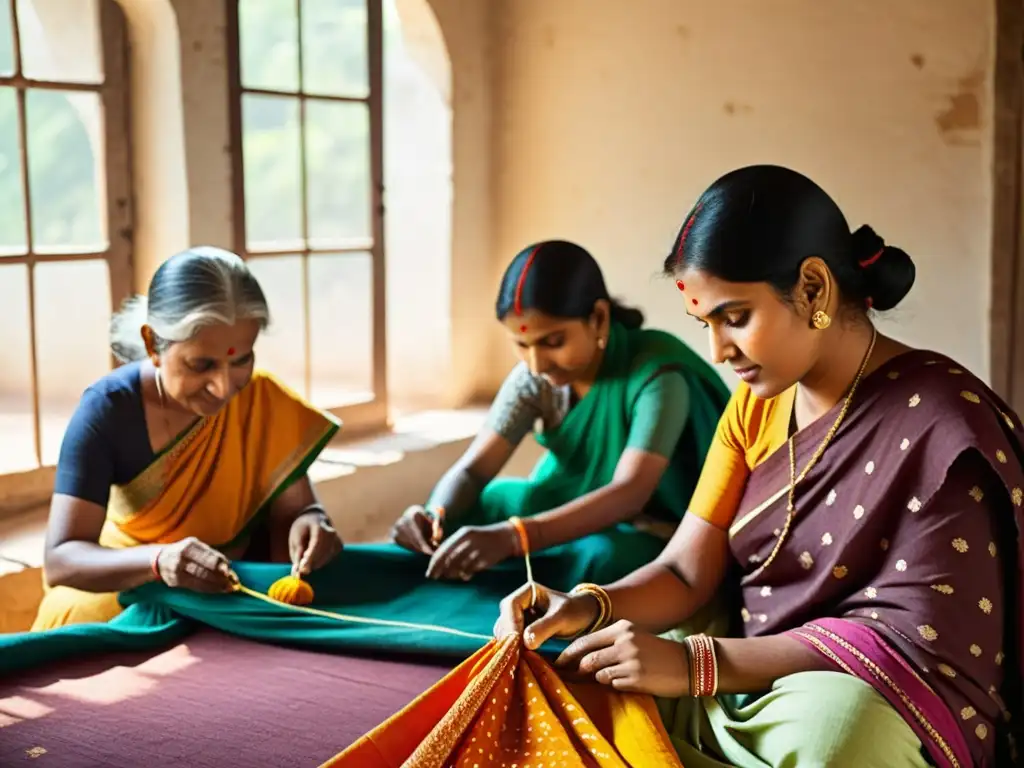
pixel 626 415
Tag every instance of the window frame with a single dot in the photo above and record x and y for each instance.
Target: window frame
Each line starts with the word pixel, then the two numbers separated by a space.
pixel 23 489
pixel 370 415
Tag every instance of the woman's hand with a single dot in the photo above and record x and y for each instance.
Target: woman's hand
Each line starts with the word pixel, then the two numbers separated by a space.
pixel 191 564
pixel 312 542
pixel 414 531
pixel 473 549
pixel 629 659
pixel 554 614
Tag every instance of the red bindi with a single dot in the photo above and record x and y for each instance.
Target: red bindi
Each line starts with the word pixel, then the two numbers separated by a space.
pixel 694 301
pixel 522 329
pixel 680 286
pixel 231 351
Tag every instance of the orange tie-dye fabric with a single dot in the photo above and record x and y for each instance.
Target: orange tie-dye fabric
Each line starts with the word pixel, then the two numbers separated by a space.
pixel 506 706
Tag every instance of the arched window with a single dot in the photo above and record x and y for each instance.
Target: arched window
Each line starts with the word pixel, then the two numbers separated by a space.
pixel 65 215
pixel 308 188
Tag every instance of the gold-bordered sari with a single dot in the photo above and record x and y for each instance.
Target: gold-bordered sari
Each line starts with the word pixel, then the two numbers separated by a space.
pixel 215 482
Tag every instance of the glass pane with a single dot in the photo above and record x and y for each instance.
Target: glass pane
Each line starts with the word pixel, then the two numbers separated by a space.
pixel 341 328
pixel 334 56
pixel 12 202
pixel 60 40
pixel 281 349
pixel 70 355
pixel 6 40
pixel 273 172
pixel 268 32
pixel 337 172
pixel 17 441
pixel 65 166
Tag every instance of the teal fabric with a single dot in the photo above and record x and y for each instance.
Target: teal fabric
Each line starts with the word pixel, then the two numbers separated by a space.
pixel 583 451
pixel 600 558
pixel 373 581
pixel 142 627
pixel 386 582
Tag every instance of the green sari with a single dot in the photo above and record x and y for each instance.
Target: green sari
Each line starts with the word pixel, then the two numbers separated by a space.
pixel 583 451
pixel 156 615
pixel 383 581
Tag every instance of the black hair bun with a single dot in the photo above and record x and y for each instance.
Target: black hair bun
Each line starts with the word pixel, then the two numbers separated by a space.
pixel 888 272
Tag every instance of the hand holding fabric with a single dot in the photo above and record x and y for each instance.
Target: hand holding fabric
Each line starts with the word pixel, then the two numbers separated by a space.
pixel 554 614
pixel 414 531
pixel 629 659
pixel 312 542
pixel 473 549
pixel 194 565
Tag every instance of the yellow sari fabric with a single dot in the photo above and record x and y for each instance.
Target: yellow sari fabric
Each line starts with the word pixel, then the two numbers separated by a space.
pixel 211 483
pixel 506 706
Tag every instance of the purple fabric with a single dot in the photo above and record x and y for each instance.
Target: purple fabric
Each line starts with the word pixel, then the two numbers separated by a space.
pixel 212 701
pixel 910 524
pixel 857 649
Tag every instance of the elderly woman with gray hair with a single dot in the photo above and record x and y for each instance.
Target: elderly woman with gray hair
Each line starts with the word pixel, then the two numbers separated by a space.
pixel 172 461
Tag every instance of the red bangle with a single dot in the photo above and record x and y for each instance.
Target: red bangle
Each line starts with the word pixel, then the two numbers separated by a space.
pixel 154 565
pixel 703 666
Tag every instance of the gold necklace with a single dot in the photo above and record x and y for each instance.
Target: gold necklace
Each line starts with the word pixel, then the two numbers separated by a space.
pixel 793 479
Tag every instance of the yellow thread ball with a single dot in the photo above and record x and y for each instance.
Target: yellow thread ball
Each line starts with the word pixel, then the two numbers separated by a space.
pixel 291 590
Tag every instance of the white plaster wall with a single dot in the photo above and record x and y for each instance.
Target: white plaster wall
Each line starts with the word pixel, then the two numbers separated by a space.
pixel 612 117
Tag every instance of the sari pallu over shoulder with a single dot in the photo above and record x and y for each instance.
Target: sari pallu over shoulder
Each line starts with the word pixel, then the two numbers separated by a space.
pixel 214 483
pixel 572 467
pixel 907 539
pixel 222 473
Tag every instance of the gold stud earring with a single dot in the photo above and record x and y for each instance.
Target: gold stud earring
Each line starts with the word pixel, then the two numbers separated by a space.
pixel 821 320
pixel 601 343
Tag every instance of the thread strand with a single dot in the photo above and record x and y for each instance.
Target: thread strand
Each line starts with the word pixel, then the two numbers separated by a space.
pixel 239 587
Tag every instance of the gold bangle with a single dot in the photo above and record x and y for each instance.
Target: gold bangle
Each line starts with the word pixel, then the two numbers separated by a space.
pixel 604 605
pixel 581 590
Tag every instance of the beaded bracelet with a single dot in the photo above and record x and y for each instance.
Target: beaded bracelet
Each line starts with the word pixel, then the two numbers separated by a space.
pixel 703 666
pixel 604 605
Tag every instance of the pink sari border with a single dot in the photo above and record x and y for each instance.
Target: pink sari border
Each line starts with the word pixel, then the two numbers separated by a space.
pixel 860 651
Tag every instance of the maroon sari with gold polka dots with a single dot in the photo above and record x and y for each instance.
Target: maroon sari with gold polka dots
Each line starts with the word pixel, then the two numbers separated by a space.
pixel 903 563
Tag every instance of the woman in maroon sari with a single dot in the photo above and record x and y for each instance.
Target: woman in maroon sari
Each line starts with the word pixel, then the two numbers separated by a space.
pixel 862 501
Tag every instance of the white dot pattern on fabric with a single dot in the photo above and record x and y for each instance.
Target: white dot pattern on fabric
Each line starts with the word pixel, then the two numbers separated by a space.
pixel 542 724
